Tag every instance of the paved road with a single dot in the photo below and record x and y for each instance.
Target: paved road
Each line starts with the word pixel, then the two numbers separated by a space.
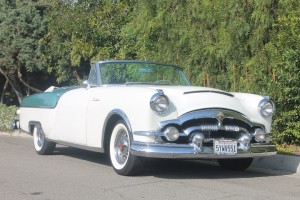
pixel 77 174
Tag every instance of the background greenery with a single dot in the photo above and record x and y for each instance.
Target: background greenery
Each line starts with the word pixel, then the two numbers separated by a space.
pixel 7 115
pixel 241 46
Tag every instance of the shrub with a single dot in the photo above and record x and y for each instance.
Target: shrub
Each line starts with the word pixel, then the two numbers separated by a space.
pixel 7 115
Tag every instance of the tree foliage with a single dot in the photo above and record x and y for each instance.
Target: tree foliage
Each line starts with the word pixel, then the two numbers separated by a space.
pixel 22 26
pixel 81 32
pixel 243 46
pixel 286 59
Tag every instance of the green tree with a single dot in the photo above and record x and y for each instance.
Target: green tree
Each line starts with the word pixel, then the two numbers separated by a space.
pixel 286 55
pixel 22 26
pixel 81 32
pixel 220 44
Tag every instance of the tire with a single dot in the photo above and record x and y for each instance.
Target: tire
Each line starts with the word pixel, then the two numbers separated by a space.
pixel 123 162
pixel 41 144
pixel 238 164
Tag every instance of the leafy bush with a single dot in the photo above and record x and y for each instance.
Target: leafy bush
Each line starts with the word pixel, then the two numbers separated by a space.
pixel 287 64
pixel 7 115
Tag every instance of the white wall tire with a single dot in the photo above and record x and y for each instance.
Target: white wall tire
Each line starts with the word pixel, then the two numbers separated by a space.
pixel 123 162
pixel 41 144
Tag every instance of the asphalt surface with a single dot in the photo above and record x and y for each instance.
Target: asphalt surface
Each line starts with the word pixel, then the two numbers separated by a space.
pixel 78 174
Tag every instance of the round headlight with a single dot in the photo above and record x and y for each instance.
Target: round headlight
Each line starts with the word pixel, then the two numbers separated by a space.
pixel 159 103
pixel 266 107
pixel 171 133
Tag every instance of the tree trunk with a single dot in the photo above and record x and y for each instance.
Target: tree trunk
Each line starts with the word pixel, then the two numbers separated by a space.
pixel 75 74
pixel 13 85
pixel 3 92
pixel 26 84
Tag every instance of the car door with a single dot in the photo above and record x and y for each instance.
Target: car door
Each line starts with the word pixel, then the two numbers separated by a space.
pixel 70 120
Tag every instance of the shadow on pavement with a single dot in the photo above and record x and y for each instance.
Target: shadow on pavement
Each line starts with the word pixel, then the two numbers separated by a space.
pixel 201 169
pixel 90 156
pixel 172 169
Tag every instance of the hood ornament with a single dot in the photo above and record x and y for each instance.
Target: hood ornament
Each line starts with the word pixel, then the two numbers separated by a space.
pixel 220 118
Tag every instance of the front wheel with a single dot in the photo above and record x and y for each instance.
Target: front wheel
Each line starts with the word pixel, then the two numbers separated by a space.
pixel 123 162
pixel 41 144
pixel 237 164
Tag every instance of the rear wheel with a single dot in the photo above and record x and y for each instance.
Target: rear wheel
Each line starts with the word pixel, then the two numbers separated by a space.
pixel 41 144
pixel 238 164
pixel 123 162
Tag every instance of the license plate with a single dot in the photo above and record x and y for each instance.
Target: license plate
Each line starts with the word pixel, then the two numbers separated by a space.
pixel 225 147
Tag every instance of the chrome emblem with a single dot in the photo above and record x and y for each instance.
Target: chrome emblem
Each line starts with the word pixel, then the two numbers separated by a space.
pixel 220 117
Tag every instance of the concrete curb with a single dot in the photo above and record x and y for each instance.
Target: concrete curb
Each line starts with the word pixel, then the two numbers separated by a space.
pixel 16 134
pixel 278 162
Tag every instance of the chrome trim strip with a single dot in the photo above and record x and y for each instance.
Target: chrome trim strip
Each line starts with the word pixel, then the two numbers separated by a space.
pixel 213 128
pixel 210 91
pixel 153 133
pixel 189 151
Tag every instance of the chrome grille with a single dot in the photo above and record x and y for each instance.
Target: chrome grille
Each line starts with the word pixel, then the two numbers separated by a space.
pixel 212 123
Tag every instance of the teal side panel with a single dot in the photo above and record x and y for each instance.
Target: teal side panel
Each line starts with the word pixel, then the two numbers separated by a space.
pixel 45 99
pixel 41 100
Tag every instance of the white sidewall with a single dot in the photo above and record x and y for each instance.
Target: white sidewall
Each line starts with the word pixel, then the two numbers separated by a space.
pixel 112 152
pixel 35 140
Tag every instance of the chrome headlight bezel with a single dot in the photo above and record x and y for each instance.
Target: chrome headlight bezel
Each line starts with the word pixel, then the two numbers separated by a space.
pixel 266 107
pixel 159 102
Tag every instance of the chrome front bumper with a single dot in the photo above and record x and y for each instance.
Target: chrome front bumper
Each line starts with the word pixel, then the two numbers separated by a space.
pixel 200 130
pixel 190 151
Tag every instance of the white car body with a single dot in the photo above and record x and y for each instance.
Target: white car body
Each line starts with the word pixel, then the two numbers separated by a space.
pixel 83 117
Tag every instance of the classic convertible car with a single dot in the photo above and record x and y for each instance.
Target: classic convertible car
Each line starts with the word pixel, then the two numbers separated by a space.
pixel 134 110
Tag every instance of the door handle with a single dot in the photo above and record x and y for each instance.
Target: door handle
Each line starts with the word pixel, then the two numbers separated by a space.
pixel 96 99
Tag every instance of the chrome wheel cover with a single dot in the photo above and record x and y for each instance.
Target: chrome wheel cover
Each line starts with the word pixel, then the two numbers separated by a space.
pixel 121 147
pixel 39 139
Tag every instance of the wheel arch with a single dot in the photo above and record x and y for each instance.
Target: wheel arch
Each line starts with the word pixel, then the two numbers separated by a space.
pixel 111 119
pixel 31 126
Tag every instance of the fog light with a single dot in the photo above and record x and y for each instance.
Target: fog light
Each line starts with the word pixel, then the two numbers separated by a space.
pixel 198 140
pixel 259 135
pixel 244 141
pixel 171 133
pixel 245 138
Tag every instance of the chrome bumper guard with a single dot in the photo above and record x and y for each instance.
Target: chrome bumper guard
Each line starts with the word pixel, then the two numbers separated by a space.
pixel 190 151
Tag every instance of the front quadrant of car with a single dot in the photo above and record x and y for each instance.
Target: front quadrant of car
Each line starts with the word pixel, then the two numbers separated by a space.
pixel 212 125
pixel 207 133
pixel 134 110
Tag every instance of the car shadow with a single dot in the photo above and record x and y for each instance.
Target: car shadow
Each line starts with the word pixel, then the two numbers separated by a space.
pixel 173 169
pixel 82 154
pixel 201 169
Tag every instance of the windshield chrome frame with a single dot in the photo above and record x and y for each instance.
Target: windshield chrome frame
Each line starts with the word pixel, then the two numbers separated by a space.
pixel 99 64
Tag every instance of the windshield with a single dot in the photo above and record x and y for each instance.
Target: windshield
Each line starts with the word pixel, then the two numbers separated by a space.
pixel 142 73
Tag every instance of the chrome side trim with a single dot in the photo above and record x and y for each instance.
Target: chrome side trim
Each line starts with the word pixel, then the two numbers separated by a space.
pixel 153 133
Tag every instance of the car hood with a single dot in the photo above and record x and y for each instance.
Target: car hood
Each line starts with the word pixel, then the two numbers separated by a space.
pixel 187 99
